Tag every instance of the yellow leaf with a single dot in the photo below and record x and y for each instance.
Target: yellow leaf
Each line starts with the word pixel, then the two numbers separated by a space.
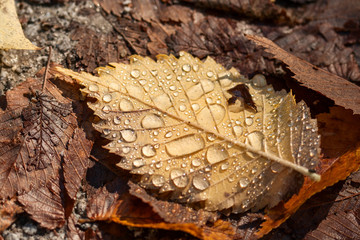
pixel 11 34
pixel 202 134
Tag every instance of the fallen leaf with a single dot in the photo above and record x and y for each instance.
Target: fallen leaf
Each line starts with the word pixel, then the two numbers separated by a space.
pixel 46 205
pixel 39 131
pixel 92 48
pixel 331 170
pixel 44 154
pixel 123 208
pixel 11 34
pixel 76 162
pixel 258 9
pixel 343 92
pixel 8 211
pixel 185 145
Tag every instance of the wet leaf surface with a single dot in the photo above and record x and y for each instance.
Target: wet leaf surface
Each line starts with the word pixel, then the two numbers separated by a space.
pixel 173 145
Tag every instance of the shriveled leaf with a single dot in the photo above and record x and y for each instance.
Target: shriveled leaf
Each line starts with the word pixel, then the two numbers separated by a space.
pixel 45 205
pixel 11 34
pixel 177 124
pixel 343 92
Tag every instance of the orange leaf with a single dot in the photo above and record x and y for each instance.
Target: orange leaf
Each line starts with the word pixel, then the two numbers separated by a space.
pixel 332 171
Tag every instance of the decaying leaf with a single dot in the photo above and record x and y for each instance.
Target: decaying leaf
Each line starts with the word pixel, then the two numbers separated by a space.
pixel 174 125
pixel 11 34
pixel 44 155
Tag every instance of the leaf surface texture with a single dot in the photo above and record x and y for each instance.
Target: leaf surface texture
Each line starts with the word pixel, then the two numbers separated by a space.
pixel 174 124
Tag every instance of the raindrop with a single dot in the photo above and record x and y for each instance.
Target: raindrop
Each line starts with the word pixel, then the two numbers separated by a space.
pixel 186 68
pixel 142 82
pixel 168 134
pixel 172 88
pixel 216 153
pixel 106 132
pixel 117 120
pixel 126 105
pixel 182 107
pixel 148 151
pixel 249 121
pixel 152 121
pixel 196 162
pixel 210 74
pixel 276 167
pixel 195 106
pixel 238 130
pixel 200 183
pixel 106 109
pixel 107 98
pixel 154 72
pixel 138 162
pixel 185 145
pixel 93 88
pixel 135 73
pixel 126 149
pixel 244 182
pixel 224 166
pixel 128 135
pixel 158 165
pixel 179 178
pixel 158 180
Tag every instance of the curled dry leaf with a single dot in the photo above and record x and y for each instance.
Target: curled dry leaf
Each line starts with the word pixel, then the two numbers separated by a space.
pixel 173 123
pixel 11 34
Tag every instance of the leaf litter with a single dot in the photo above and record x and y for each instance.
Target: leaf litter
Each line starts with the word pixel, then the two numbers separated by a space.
pixel 219 55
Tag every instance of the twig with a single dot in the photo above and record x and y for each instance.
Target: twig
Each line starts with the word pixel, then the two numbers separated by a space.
pixel 46 69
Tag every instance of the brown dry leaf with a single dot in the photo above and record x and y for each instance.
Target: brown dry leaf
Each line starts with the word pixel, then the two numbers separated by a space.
pixel 11 34
pixel 8 211
pixel 258 9
pixel 175 124
pixel 46 205
pixel 31 147
pixel 41 145
pixel 343 92
pixel 337 123
pixel 93 48
pixel 320 45
pixel 121 207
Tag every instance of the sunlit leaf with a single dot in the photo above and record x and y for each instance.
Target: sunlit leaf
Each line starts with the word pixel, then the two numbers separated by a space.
pixel 185 126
